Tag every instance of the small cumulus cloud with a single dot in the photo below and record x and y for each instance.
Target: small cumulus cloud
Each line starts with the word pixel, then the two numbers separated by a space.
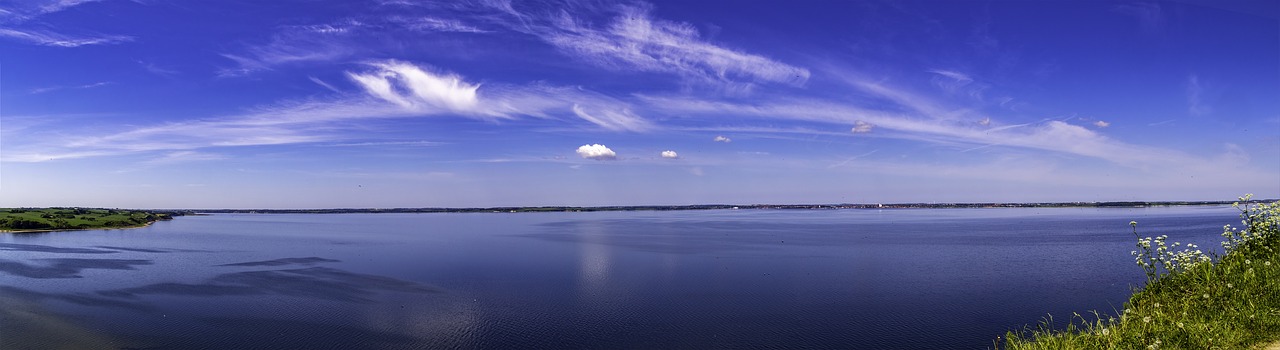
pixel 861 127
pixel 670 154
pixel 597 152
pixel 1101 124
pixel 722 139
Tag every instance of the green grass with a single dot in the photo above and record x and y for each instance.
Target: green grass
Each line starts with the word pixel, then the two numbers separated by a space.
pixel 1232 302
pixel 33 219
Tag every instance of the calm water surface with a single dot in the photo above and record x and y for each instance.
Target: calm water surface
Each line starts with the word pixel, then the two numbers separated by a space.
pixel 869 279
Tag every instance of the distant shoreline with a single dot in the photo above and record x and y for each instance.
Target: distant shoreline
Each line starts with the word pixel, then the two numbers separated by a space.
pixel 545 209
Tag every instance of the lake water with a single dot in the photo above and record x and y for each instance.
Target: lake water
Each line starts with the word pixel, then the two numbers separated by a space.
pixel 856 279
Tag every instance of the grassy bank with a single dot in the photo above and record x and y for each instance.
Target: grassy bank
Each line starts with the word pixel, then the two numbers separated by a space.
pixel 46 219
pixel 1191 300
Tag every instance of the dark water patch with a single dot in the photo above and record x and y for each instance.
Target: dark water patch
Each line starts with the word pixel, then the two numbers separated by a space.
pixel 50 249
pixel 264 333
pixel 67 268
pixel 78 299
pixel 285 261
pixel 313 282
pixel 139 250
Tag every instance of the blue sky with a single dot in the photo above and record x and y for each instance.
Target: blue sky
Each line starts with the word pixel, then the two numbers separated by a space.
pixel 398 103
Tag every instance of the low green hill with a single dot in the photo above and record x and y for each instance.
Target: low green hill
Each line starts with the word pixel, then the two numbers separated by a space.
pixel 41 219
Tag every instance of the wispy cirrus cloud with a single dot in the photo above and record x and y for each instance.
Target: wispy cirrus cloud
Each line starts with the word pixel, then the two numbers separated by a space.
pixel 436 24
pixel 26 10
pixel 613 119
pixel 333 41
pixel 51 38
pixel 21 22
pixel 1195 97
pixel 918 118
pixel 153 68
pixel 634 40
pixel 630 39
pixel 954 82
pixel 77 87
pixel 1150 15
pixel 386 143
pixel 184 157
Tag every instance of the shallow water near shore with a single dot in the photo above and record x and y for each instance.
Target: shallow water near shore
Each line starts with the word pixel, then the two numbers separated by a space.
pixel 907 278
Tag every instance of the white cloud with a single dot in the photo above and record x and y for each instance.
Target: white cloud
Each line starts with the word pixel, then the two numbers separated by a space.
pixel 861 127
pixel 670 154
pixel 985 121
pixel 1148 14
pixel 48 38
pixel 324 84
pixel 17 25
pixel 78 87
pixel 597 152
pixel 950 80
pixel 621 120
pixel 386 143
pixel 413 87
pixel 59 5
pixel 433 24
pixel 157 70
pixel 722 139
pixel 635 41
pixel 1195 102
pixel 183 157
pixel 293 45
pixel 1054 136
pixel 1101 124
